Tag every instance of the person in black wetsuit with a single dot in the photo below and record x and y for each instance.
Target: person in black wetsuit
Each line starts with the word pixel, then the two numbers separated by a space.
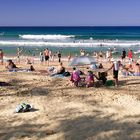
pixel 123 54
pixel 59 56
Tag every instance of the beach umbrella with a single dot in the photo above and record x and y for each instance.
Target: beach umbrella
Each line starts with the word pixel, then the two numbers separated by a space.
pixel 82 60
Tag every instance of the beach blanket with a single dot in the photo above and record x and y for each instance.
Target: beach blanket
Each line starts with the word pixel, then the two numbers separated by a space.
pixel 20 70
pixel 58 76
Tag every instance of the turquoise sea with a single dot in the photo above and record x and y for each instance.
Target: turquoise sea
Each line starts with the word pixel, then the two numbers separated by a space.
pixel 68 39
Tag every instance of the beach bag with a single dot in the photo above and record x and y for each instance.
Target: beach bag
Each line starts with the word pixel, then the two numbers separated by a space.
pixel 66 74
pixel 23 108
pixel 81 73
pixel 110 83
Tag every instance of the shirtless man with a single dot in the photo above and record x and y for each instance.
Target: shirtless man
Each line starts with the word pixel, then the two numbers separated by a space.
pixel 46 54
pixel 115 66
pixel 136 69
pixel 1 57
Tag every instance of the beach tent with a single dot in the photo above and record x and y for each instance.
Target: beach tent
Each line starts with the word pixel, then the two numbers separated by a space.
pixel 82 60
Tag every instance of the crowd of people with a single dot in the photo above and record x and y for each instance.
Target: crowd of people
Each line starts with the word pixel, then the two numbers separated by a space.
pixel 131 68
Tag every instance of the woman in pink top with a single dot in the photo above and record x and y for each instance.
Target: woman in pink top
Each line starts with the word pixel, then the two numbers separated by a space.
pixel 130 54
pixel 90 79
pixel 75 77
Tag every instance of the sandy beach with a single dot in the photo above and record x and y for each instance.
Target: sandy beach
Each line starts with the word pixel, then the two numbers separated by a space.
pixel 64 112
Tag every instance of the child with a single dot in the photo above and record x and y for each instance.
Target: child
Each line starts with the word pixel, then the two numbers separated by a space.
pixel 75 77
pixel 90 79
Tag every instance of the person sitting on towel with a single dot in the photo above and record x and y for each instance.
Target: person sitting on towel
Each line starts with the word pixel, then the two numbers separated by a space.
pixel 10 65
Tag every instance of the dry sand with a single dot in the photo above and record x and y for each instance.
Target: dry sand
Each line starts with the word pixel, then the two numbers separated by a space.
pixel 64 112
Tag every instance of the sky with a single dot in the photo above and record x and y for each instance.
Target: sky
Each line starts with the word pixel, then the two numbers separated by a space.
pixel 69 12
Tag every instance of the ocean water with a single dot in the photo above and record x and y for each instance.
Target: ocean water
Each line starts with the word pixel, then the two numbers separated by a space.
pixel 68 39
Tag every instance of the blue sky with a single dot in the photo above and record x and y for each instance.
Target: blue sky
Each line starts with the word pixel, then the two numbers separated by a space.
pixel 69 12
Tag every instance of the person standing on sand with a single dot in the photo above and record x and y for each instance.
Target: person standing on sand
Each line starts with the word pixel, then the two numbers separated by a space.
pixel 46 54
pixel 50 55
pixel 130 55
pixel 41 56
pixel 123 54
pixel 19 51
pixel 115 66
pixel 59 56
pixel 1 57
pixel 69 57
pixel 110 54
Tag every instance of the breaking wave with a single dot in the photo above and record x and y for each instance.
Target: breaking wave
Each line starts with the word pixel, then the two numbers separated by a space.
pixel 49 37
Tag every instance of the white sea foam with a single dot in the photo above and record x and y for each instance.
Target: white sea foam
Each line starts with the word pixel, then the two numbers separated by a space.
pixel 71 44
pixel 49 37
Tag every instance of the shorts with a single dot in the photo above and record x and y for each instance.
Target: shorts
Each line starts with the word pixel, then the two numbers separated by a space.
pixel 123 56
pixel 46 58
pixel 115 74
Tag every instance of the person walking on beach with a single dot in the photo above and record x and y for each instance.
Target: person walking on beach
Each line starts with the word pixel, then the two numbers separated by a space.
pixel 115 66
pixel 59 56
pixel 46 54
pixel 1 56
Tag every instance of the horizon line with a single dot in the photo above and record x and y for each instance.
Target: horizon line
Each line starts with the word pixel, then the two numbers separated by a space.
pixel 75 26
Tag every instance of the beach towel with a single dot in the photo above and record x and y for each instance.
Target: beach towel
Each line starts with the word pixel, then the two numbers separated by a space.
pixel 58 76
pixel 20 70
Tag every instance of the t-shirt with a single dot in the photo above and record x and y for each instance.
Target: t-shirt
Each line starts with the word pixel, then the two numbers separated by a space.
pixel 116 66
